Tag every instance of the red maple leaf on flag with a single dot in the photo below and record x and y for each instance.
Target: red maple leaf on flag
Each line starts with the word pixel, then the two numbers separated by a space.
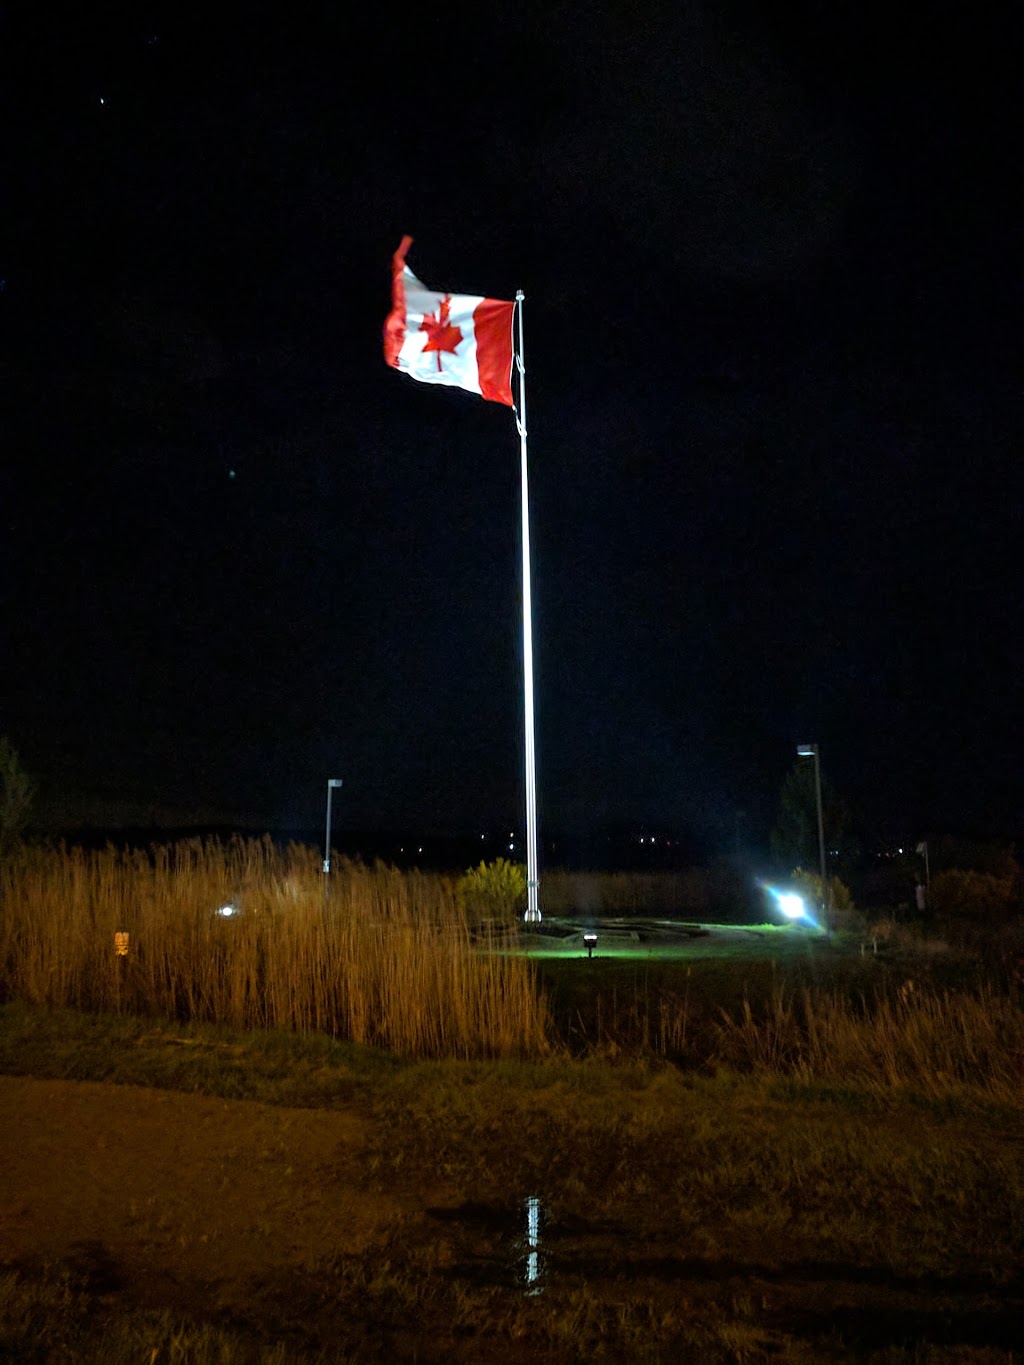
pixel 441 335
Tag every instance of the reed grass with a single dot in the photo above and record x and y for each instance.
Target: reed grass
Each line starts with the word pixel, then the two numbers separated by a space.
pixel 874 1034
pixel 379 956
pixel 699 893
pixel 374 955
pixel 930 1042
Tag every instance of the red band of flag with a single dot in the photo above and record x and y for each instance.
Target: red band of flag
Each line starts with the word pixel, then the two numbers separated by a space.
pixel 459 340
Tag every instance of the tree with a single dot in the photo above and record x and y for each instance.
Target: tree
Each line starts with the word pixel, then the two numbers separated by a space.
pixel 980 896
pixel 493 891
pixel 809 885
pixel 794 840
pixel 16 794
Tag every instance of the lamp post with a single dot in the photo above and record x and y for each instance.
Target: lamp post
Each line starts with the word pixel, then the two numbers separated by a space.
pixel 332 782
pixel 811 751
pixel 922 894
pixel 922 849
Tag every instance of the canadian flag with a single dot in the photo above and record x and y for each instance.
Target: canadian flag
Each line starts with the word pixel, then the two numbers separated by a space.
pixel 456 339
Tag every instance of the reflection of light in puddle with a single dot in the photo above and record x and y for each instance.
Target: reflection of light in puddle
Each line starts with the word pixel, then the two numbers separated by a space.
pixel 533 1245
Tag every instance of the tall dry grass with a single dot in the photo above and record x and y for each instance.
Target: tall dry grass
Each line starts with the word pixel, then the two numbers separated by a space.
pixel 931 1042
pixel 698 893
pixel 374 955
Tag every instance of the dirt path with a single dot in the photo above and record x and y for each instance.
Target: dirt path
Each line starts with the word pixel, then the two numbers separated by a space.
pixel 181 1187
pixel 281 1221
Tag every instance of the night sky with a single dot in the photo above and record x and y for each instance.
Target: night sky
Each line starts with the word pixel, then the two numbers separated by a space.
pixel 773 281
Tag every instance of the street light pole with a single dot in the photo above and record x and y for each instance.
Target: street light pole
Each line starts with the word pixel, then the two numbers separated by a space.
pixel 922 848
pixel 811 751
pixel 332 782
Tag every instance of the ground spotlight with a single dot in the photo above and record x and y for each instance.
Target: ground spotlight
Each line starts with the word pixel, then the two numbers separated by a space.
pixel 227 910
pixel 791 905
pixel 590 940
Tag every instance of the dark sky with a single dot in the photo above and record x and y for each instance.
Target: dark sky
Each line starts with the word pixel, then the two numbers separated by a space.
pixel 773 280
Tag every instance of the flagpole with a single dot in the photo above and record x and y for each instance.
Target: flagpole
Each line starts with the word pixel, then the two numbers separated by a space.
pixel 532 877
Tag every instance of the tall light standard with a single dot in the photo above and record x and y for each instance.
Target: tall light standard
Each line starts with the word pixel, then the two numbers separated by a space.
pixel 332 782
pixel 922 849
pixel 811 751
pixel 923 894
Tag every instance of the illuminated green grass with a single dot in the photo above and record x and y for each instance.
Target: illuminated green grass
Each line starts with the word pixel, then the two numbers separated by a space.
pixel 664 940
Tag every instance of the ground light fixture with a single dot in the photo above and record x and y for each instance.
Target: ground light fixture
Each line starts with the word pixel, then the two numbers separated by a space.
pixel 332 782
pixel 791 905
pixel 590 941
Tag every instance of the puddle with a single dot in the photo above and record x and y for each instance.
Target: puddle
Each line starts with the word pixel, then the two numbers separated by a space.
pixel 532 1270
pixel 504 1244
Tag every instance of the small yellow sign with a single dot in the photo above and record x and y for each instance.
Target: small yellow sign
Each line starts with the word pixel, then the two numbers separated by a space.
pixel 121 944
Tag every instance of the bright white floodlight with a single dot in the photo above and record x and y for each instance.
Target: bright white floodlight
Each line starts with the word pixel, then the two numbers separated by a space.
pixel 791 905
pixel 226 911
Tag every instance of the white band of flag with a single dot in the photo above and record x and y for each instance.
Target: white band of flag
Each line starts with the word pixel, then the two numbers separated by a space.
pixel 461 340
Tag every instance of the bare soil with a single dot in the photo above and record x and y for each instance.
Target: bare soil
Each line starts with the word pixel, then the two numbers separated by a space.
pixel 239 1212
pixel 183 1191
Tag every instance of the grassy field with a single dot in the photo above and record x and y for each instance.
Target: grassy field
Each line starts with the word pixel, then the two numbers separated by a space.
pixel 680 1216
pixel 724 1147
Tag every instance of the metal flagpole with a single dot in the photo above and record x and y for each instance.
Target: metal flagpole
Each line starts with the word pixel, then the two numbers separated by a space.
pixel 532 878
